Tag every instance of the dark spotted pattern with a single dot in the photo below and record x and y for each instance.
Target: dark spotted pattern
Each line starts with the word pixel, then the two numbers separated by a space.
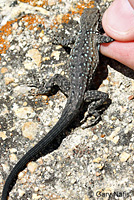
pixel 84 59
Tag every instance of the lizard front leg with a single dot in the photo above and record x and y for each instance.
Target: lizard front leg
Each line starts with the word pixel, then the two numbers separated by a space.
pixel 57 82
pixel 64 42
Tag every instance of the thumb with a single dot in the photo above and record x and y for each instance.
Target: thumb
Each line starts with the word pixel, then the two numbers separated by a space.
pixel 118 20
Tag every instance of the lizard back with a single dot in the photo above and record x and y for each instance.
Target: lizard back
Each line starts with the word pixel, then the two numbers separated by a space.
pixel 84 56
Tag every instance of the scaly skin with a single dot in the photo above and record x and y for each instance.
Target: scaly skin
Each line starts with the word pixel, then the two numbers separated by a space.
pixel 84 58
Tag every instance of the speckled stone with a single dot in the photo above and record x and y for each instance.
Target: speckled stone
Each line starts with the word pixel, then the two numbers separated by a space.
pixel 99 158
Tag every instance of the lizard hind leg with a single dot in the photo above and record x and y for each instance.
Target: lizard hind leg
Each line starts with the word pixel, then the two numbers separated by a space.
pixel 57 82
pixel 97 102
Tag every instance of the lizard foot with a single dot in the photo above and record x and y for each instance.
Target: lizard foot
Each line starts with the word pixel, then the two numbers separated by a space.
pixel 98 101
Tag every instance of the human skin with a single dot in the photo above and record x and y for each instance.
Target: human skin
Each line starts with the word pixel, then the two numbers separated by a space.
pixel 118 23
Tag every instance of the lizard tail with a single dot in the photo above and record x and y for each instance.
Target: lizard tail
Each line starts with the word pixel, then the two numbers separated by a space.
pixel 60 126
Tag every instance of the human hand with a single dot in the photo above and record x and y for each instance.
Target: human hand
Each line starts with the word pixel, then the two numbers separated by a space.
pixel 118 23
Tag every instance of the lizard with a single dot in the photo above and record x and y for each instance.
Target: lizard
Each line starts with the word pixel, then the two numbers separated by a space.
pixel 83 61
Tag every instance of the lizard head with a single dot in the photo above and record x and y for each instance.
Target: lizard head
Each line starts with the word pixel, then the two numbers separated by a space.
pixel 90 15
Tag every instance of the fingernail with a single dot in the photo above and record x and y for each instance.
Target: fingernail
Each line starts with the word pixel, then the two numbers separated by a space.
pixel 120 16
pixel 131 3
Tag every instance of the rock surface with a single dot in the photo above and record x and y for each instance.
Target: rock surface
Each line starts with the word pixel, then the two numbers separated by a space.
pixel 93 163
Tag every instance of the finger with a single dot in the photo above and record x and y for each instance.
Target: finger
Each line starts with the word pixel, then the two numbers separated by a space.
pixel 118 20
pixel 120 51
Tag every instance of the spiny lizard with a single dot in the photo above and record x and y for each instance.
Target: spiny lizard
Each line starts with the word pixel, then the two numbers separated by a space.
pixel 83 60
